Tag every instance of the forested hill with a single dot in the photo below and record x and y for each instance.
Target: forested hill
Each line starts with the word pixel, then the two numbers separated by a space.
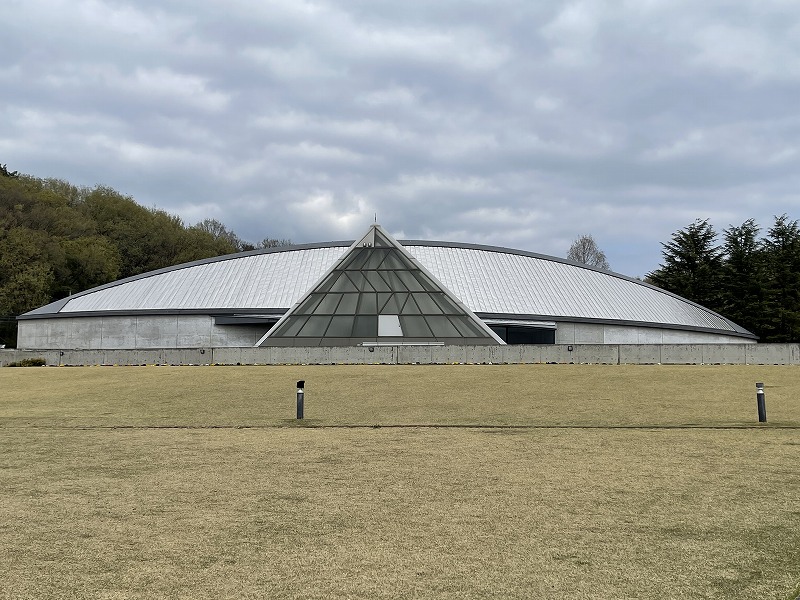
pixel 57 239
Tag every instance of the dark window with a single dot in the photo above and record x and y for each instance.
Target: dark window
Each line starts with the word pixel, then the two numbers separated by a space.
pixel 511 334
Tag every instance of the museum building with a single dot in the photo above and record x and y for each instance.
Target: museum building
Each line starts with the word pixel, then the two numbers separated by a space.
pixel 374 291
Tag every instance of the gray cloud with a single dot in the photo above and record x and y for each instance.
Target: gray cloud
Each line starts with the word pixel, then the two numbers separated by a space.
pixel 510 123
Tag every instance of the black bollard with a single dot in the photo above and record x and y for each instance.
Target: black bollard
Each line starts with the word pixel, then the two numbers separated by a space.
pixel 762 406
pixel 300 397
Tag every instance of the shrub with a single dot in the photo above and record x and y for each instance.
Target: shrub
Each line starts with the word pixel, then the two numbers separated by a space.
pixel 29 362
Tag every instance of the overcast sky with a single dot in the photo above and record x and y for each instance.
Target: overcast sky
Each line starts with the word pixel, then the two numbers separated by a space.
pixel 507 122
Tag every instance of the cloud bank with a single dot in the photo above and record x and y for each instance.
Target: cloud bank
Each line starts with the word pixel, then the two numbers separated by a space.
pixel 506 122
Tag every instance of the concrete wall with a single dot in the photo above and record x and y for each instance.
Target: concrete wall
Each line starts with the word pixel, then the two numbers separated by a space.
pixel 134 332
pixel 144 332
pixel 677 354
pixel 595 333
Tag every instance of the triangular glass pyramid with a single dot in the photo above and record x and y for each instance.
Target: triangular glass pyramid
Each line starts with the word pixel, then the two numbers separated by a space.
pixel 378 293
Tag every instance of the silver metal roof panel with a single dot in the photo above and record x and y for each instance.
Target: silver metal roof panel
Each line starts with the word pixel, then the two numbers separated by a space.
pixel 488 280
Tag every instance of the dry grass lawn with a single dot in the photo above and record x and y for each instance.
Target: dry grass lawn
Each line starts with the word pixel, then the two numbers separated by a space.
pixel 196 482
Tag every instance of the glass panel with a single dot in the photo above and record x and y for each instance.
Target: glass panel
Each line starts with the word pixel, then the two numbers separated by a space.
pixel 315 326
pixel 410 281
pixel 402 300
pixel 395 283
pixel 415 327
pixel 348 304
pixel 343 284
pixel 395 304
pixel 341 326
pixel 329 281
pixel 383 299
pixel 376 256
pixel 467 328
pixel 427 305
pixel 410 307
pixel 309 305
pixel 329 304
pixel 368 305
pixel 380 240
pixel 448 306
pixel 426 282
pixel 393 261
pixel 442 327
pixel 347 259
pixel 356 260
pixel 360 280
pixel 291 326
pixel 377 281
pixel 366 326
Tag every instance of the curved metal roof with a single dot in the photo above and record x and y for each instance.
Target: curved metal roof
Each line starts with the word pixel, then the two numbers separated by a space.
pixel 489 280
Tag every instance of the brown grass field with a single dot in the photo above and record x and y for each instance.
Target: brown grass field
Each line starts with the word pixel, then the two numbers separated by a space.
pixel 518 481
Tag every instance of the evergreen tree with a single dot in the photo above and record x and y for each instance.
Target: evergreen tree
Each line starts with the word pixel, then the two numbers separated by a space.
pixel 782 282
pixel 742 277
pixel 692 265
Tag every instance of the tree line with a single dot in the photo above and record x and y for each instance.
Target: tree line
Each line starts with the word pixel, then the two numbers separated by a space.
pixel 750 278
pixel 57 239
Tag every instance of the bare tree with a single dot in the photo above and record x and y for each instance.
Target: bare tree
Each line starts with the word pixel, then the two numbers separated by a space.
pixel 584 250
pixel 273 243
pixel 219 231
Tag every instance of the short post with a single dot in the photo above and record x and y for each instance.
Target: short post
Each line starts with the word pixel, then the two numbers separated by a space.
pixel 300 393
pixel 762 406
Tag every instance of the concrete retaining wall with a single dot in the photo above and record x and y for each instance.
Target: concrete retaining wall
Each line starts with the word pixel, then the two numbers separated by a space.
pixel 674 354
pixel 153 332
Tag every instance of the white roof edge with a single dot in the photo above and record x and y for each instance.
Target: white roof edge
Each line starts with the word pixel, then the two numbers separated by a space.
pixel 542 324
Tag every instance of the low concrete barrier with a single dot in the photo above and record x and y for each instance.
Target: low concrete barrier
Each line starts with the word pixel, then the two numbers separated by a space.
pixel 603 354
pixel 721 354
pixel 612 354
pixel 681 354
pixel 773 354
pixel 639 354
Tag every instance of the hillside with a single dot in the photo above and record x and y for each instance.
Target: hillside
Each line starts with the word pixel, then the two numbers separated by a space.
pixel 57 239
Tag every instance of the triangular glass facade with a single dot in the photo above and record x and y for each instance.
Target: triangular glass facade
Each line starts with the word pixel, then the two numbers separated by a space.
pixel 377 292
